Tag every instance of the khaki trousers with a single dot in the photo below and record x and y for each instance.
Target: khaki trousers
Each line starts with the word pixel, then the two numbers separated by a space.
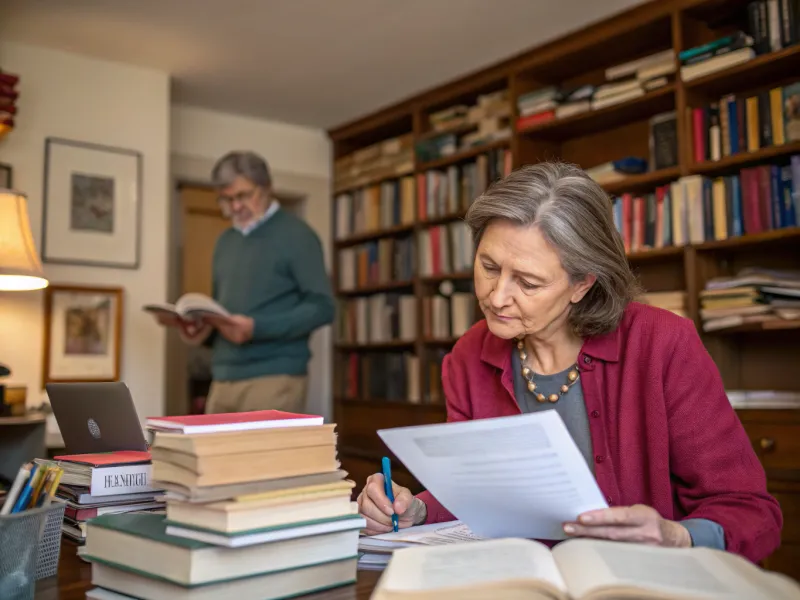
pixel 277 392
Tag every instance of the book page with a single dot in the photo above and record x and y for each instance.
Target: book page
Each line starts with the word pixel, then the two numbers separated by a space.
pixel 520 476
pixel 193 303
pixel 590 566
pixel 428 568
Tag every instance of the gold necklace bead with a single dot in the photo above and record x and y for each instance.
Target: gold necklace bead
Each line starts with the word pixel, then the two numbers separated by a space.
pixel 572 375
pixel 526 371
pixel 553 397
pixel 523 355
pixel 564 388
pixel 540 397
pixel 531 386
pixel 520 344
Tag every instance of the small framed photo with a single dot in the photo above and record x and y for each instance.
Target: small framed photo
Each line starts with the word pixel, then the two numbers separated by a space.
pixel 6 180
pixel 92 205
pixel 82 333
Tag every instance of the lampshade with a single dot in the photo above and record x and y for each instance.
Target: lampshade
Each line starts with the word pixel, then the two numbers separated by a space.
pixel 20 268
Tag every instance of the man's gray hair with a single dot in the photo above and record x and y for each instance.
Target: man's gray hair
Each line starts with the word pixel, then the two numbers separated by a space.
pixel 245 163
pixel 575 216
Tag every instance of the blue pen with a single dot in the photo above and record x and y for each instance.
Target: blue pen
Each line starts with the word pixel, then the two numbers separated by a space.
pixel 387 484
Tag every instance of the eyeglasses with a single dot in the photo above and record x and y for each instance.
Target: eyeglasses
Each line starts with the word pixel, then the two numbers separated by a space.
pixel 238 197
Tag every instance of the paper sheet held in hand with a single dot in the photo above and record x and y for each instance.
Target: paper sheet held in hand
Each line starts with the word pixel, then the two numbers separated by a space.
pixel 519 476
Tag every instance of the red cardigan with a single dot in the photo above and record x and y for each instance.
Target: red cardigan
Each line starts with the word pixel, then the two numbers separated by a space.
pixel 663 431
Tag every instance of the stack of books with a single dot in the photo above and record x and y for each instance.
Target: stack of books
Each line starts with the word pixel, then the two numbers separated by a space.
pixel 390 158
pixel 675 302
pixel 103 484
pixel 766 299
pixel 722 53
pixel 460 127
pixel 257 507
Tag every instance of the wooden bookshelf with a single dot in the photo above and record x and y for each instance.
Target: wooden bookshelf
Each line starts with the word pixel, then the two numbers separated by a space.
pixel 749 358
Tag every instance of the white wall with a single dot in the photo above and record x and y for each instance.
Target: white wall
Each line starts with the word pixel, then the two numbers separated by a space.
pixel 300 160
pixel 90 100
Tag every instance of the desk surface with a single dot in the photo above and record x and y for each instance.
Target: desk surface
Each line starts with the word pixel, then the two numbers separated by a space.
pixel 28 419
pixel 74 579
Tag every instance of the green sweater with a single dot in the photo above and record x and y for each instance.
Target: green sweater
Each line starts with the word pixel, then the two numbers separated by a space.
pixel 276 275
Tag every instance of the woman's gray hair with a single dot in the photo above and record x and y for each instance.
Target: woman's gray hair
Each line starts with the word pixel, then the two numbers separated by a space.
pixel 574 214
pixel 247 164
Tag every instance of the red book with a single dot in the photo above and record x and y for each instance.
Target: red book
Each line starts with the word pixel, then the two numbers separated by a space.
pixel 244 421
pixel 107 459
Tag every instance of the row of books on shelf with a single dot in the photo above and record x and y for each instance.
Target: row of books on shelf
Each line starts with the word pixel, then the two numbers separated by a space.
pixel 376 319
pixel 383 318
pixel 434 194
pixel 746 123
pixel 697 209
pixel 764 298
pixel 767 298
pixel 450 191
pixel 445 249
pixel 388 260
pixel 441 250
pixel 390 376
pixel 246 502
pixel 375 207
pixel 460 127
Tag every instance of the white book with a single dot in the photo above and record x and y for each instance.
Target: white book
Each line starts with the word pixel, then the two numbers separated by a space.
pixel 579 569
pixel 190 306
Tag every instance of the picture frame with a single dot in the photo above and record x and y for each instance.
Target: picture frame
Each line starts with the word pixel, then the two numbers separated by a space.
pixel 82 333
pixel 91 205
pixel 6 177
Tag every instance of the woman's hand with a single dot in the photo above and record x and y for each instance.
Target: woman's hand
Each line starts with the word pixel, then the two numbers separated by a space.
pixel 375 507
pixel 637 523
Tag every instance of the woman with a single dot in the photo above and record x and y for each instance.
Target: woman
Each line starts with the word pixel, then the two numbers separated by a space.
pixel 634 384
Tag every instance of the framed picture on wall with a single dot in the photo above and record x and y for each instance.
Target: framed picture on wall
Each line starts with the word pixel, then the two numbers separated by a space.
pixel 82 333
pixel 92 205
pixel 6 180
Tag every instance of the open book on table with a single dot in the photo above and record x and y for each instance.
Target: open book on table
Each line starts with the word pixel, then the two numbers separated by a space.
pixel 190 307
pixel 579 569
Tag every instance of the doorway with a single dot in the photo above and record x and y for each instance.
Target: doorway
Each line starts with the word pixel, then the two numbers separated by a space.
pixel 198 222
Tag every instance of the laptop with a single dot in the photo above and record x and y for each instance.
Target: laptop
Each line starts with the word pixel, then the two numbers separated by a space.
pixel 96 417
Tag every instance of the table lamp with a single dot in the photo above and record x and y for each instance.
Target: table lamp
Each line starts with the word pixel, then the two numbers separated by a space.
pixel 20 268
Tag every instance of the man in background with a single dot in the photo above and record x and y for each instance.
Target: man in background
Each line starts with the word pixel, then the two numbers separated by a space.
pixel 268 272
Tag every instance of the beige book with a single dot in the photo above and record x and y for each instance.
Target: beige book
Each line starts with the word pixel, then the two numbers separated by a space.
pixel 252 489
pixel 579 569
pixel 190 471
pixel 243 442
pixel 268 510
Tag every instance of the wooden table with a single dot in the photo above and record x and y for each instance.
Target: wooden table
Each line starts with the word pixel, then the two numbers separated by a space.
pixel 74 579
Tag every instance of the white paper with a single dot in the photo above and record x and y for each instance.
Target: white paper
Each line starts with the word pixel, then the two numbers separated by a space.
pixel 433 534
pixel 519 476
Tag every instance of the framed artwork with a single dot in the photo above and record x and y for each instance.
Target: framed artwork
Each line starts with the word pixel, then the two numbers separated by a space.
pixel 92 205
pixel 6 181
pixel 82 333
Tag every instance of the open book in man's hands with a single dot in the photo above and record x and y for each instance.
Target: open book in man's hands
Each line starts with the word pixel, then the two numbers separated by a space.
pixel 189 307
pixel 578 569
